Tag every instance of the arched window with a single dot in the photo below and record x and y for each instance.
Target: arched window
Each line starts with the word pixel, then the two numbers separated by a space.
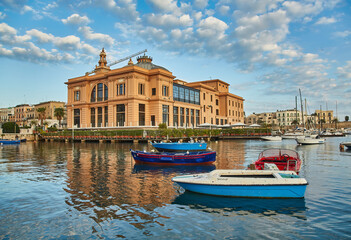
pixel 99 93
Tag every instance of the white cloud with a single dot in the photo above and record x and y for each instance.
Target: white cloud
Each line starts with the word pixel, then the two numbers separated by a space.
pixel 325 20
pixel 2 15
pixel 224 9
pixel 200 3
pixel 165 5
pixel 76 19
pixel 124 9
pixel 169 21
pixel 343 34
pixel 212 27
pixel 345 71
pixel 90 35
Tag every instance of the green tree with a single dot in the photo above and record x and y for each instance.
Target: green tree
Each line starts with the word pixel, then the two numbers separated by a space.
pixel 295 122
pixel 10 127
pixel 41 114
pixel 347 118
pixel 59 113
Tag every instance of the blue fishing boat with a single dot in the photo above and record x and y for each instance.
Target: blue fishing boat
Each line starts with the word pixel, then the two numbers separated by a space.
pixel 180 146
pixel 7 141
pixel 163 158
pixel 245 183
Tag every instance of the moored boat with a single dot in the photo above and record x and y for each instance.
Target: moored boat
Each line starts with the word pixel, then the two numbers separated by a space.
pixel 292 135
pixel 167 158
pixel 7 141
pixel 272 138
pixel 284 159
pixel 180 146
pixel 310 140
pixel 245 183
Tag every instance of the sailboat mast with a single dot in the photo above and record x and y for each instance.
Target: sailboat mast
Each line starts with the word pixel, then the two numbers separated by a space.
pixel 303 122
pixel 296 112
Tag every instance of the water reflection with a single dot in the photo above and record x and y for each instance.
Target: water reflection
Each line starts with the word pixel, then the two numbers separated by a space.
pixel 161 170
pixel 243 206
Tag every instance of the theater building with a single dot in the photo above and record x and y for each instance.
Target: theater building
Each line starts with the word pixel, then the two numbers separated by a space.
pixel 143 94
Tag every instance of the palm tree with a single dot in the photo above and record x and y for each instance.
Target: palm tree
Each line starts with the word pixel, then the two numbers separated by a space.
pixel 33 122
pixel 41 114
pixel 59 113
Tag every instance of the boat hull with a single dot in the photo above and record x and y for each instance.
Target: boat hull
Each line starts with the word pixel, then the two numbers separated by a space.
pixel 310 141
pixel 259 191
pixel 272 138
pixel 180 147
pixel 10 142
pixel 193 158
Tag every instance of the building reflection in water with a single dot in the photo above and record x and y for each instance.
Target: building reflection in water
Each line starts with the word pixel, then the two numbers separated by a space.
pixel 104 182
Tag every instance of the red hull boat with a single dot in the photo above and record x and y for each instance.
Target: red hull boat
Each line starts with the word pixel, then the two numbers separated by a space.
pixel 284 159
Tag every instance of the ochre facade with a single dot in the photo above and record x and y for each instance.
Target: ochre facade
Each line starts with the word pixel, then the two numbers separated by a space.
pixel 145 95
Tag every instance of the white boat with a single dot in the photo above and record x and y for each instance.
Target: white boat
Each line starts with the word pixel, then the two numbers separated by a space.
pixel 292 135
pixel 245 183
pixel 271 138
pixel 309 140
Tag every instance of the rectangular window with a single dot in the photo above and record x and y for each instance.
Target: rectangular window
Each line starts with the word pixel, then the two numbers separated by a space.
pixel 197 97
pixel 153 91
pixel 92 117
pixel 175 116
pixel 106 93
pixel 186 95
pixel 120 114
pixel 217 102
pixel 197 121
pixel 187 117
pixel 165 114
pixel 217 121
pixel 99 122
pixel 211 98
pixel 106 116
pixel 141 89
pixel 192 117
pixel 121 88
pixel 165 91
pixel 217 112
pixel 181 116
pixel 99 92
pixel 175 93
pixel 204 96
pixel 76 120
pixel 204 108
pixel 141 114
pixel 76 95
pixel 192 96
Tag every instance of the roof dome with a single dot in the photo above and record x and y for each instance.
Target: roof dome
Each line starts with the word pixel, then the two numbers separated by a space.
pixel 146 63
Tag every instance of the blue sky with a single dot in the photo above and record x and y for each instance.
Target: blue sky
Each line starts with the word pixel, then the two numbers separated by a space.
pixel 265 49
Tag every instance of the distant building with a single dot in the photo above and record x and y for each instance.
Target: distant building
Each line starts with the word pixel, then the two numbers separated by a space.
pixel 50 107
pixel 327 116
pixel 268 118
pixel 287 117
pixel 145 94
pixel 6 114
pixel 22 114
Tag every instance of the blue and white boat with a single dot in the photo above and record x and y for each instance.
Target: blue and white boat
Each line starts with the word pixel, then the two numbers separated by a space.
pixel 163 158
pixel 180 146
pixel 7 141
pixel 245 183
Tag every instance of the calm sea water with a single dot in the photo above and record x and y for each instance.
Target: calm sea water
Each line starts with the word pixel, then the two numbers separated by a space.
pixel 94 191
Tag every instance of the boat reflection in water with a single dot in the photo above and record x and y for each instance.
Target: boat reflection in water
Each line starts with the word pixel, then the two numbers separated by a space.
pixel 144 168
pixel 243 206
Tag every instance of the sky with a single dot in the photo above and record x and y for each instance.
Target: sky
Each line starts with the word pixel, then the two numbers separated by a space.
pixel 265 49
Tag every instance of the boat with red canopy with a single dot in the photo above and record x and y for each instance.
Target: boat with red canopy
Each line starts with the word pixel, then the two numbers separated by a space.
pixel 284 159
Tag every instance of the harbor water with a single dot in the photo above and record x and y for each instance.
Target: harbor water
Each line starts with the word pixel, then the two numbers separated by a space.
pixel 59 190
